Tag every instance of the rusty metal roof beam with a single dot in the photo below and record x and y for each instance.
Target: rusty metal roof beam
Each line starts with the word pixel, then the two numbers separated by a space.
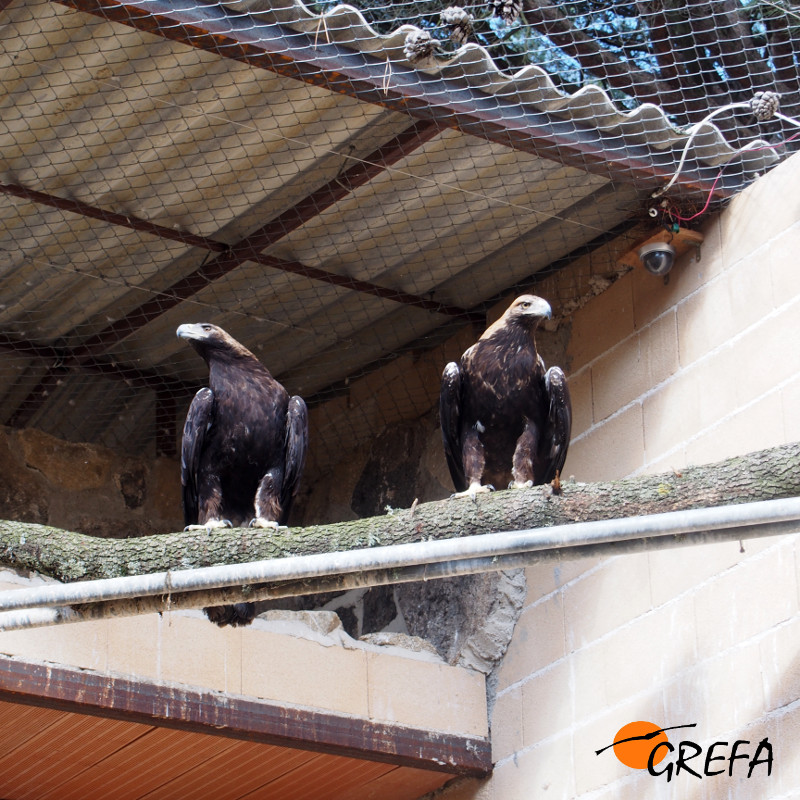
pixel 251 719
pixel 63 358
pixel 229 257
pixel 296 55
pixel 272 232
pixel 249 248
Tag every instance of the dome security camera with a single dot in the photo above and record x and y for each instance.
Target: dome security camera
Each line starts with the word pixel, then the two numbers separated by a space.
pixel 657 257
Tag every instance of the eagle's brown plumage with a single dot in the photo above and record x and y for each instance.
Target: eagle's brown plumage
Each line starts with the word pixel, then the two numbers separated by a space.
pixel 505 420
pixel 244 446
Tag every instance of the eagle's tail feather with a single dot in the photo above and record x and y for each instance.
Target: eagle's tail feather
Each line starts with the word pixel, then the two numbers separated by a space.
pixel 237 614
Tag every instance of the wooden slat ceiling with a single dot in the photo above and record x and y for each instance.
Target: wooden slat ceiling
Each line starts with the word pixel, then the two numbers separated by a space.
pixel 68 733
pixel 57 755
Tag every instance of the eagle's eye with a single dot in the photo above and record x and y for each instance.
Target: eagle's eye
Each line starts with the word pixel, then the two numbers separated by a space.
pixel 206 327
pixel 525 304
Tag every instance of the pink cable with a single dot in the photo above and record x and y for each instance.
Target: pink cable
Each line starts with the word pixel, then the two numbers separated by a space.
pixel 719 175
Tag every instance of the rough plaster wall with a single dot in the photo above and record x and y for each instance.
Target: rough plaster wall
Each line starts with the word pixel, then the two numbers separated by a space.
pixel 86 488
pixel 711 635
pixel 468 620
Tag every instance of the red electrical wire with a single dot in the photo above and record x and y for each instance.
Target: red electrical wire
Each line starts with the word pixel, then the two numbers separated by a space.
pixel 713 185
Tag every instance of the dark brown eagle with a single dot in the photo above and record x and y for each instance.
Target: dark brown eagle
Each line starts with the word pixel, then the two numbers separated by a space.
pixel 505 421
pixel 244 446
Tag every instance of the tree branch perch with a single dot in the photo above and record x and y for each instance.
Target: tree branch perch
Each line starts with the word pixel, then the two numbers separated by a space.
pixel 66 556
pixel 71 557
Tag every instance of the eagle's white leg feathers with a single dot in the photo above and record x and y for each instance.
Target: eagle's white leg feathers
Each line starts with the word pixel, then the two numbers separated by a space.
pixel 260 522
pixel 473 491
pixel 210 525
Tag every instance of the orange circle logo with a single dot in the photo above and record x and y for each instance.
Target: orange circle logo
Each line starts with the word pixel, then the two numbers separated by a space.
pixel 635 741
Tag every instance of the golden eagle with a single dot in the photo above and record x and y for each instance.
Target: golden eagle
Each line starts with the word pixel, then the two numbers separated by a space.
pixel 244 446
pixel 505 421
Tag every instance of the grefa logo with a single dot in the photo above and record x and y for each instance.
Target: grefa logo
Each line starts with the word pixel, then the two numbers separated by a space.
pixel 644 745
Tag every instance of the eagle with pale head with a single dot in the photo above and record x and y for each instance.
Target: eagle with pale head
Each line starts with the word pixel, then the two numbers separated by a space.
pixel 505 419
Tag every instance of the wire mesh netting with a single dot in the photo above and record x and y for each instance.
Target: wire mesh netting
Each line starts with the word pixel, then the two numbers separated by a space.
pixel 340 187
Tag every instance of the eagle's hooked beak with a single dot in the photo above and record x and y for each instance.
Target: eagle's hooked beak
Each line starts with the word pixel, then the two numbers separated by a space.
pixel 198 331
pixel 536 307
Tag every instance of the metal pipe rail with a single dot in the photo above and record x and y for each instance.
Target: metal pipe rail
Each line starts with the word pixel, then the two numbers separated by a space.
pixel 296 575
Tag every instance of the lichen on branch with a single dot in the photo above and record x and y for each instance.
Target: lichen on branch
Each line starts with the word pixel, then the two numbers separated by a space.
pixel 68 556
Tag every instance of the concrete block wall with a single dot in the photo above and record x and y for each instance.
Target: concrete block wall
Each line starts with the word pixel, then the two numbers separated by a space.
pixel 311 661
pixel 662 376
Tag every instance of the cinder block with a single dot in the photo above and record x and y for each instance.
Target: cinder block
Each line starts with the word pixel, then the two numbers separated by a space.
pixel 659 349
pixel 541 580
pixel 783 730
pixel 546 706
pixel 601 323
pixel 567 571
pixel 580 391
pixel 549 576
pixel 668 414
pixel 134 645
pixel 544 771
pixel 507 737
pixel 761 346
pixel 705 321
pixel 617 592
pixel 716 377
pixel 780 257
pixel 617 378
pixel 758 426
pixel 642 656
pixel 589 686
pixel 761 784
pixel 764 210
pixel 638 364
pixel 760 592
pixel 83 644
pixel 779 652
pixel 593 771
pixel 302 672
pixel 538 640
pixel 673 461
pixel 610 451
pixel 738 299
pixel 680 569
pixel 196 652
pixel 722 696
pixel 424 694
pixel 790 397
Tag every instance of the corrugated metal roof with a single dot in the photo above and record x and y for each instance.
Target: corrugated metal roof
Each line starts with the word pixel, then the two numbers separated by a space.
pixel 591 105
pixel 259 166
